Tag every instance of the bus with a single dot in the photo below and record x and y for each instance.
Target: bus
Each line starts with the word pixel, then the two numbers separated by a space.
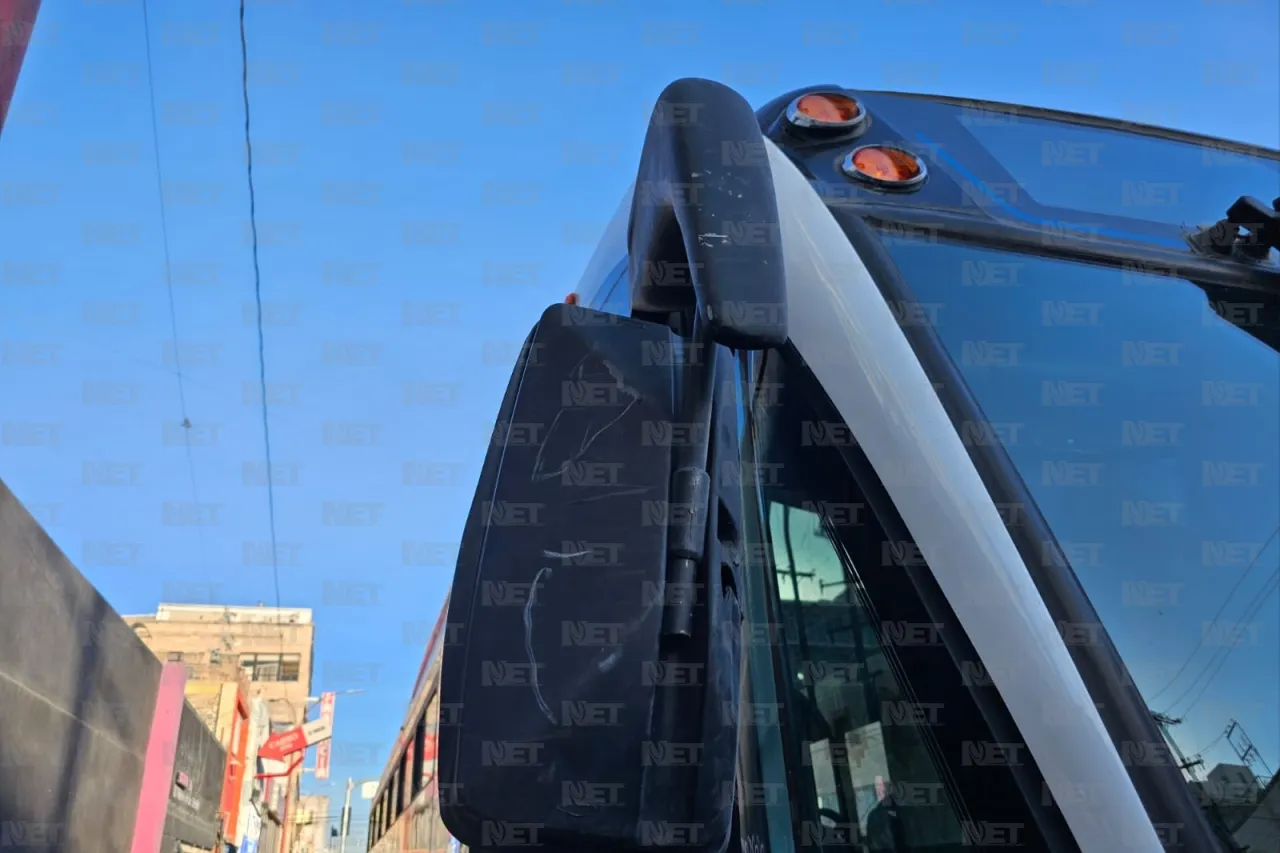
pixel 1009 488
pixel 404 813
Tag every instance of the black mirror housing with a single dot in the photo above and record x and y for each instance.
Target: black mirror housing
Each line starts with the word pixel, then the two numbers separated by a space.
pixel 558 684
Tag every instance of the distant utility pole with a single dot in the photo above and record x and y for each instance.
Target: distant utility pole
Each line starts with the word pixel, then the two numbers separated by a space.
pixel 1165 722
pixel 1244 748
pixel 345 826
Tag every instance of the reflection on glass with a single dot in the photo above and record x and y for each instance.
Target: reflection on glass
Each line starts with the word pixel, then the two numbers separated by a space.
pixel 1082 173
pixel 872 778
pixel 1147 429
pixel 1124 174
pixel 618 300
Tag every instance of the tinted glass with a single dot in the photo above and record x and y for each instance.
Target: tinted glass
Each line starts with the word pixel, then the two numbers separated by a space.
pixel 619 299
pixel 865 766
pixel 872 776
pixel 1056 169
pixel 1147 429
pixel 1124 174
pixel 769 770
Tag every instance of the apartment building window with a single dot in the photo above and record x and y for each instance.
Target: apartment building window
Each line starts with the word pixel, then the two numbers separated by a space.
pixel 174 657
pixel 271 667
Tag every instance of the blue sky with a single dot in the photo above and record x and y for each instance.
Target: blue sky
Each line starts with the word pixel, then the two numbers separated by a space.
pixel 429 176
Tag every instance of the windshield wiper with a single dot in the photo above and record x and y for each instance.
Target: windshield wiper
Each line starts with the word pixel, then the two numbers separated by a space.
pixel 1250 231
pixel 1258 316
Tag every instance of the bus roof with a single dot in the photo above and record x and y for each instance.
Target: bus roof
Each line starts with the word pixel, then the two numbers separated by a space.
pixel 1046 114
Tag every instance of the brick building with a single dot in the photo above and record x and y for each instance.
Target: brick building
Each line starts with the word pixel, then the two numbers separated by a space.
pixel 268 649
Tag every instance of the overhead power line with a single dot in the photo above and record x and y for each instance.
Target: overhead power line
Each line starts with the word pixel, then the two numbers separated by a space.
pixel 1226 601
pixel 1224 652
pixel 257 299
pixel 168 280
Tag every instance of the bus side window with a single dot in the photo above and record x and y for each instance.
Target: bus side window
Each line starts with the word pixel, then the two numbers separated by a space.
pixel 763 762
pixel 888 750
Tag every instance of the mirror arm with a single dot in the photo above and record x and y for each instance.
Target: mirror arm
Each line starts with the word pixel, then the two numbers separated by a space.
pixel 690 485
pixel 704 218
pixel 686 570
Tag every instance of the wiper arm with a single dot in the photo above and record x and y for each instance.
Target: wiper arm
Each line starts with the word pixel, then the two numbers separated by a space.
pixel 1250 231
pixel 1259 316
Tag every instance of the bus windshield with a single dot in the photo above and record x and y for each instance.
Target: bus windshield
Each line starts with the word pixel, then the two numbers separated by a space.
pixel 1143 417
pixel 1039 171
pixel 1129 174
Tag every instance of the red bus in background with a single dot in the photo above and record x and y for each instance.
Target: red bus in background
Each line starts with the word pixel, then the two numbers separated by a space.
pixel 404 816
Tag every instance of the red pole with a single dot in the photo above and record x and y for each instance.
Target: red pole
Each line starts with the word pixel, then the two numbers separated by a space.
pixel 17 21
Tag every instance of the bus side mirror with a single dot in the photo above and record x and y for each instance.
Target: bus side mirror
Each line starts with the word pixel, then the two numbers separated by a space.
pixel 570 716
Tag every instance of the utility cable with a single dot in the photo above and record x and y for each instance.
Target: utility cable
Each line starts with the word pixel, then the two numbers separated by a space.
pixel 168 284
pixel 1245 574
pixel 1210 745
pixel 257 298
pixel 1225 652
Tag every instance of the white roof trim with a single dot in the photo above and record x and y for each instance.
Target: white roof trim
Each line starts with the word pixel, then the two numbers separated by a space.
pixel 846 333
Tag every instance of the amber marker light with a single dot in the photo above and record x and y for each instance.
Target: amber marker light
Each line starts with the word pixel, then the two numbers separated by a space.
pixel 885 167
pixel 825 111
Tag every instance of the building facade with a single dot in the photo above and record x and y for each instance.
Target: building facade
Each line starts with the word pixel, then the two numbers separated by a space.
pixel 313 819
pixel 258 828
pixel 267 649
pixel 271 646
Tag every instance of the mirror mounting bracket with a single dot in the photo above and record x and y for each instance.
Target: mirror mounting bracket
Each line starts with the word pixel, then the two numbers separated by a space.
pixel 704 230
pixel 690 485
